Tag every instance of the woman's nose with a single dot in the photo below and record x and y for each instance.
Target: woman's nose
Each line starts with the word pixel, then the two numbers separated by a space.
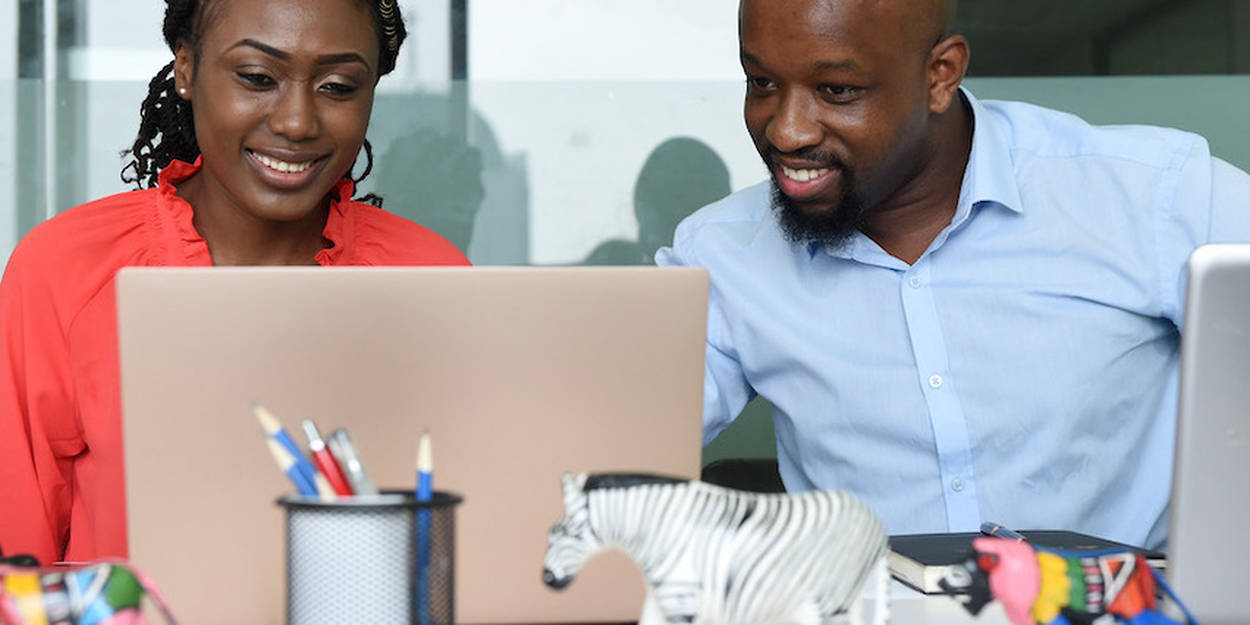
pixel 295 113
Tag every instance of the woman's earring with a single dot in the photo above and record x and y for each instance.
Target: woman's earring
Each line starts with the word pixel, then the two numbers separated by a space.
pixel 182 91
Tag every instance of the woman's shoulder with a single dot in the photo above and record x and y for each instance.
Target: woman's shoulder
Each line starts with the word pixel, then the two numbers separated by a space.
pixel 384 238
pixel 86 239
pixel 99 222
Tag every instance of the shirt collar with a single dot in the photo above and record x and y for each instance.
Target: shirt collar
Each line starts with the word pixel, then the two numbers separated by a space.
pixel 339 228
pixel 990 175
pixel 178 170
pixel 989 178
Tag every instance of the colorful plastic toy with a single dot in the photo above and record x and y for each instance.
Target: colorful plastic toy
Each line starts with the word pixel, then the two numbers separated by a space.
pixel 1052 587
pixel 103 593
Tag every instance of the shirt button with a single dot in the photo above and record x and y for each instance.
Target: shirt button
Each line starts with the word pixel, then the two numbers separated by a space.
pixel 935 381
pixel 914 282
pixel 957 485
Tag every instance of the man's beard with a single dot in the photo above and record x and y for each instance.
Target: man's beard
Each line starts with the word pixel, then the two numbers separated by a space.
pixel 831 227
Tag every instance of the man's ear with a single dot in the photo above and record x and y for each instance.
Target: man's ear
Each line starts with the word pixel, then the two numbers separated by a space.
pixel 184 71
pixel 948 62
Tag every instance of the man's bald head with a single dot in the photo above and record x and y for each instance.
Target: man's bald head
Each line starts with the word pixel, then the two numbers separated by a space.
pixel 945 12
pixel 922 23
pixel 927 22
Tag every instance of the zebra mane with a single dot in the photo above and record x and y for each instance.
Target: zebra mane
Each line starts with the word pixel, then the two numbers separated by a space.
pixel 596 481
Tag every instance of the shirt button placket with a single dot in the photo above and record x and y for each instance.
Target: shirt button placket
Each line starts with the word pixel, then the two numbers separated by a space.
pixel 950 431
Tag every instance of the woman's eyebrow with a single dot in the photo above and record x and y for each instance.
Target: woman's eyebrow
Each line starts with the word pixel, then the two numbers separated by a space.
pixel 325 59
pixel 342 57
pixel 267 49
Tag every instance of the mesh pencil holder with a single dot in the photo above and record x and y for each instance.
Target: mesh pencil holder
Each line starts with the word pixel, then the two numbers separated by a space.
pixel 378 559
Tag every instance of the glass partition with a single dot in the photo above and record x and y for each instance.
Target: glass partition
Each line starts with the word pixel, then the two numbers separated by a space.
pixel 550 173
pixel 553 173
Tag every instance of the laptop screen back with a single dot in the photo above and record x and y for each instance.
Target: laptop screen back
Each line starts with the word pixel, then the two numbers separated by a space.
pixel 1210 509
pixel 519 374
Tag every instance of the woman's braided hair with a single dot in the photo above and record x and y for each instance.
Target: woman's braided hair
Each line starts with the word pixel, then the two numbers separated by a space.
pixel 166 126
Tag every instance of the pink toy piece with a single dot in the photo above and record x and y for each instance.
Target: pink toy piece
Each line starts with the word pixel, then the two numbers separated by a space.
pixel 127 617
pixel 1015 578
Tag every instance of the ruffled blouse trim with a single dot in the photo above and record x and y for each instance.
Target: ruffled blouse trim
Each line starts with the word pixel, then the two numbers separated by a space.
pixel 175 219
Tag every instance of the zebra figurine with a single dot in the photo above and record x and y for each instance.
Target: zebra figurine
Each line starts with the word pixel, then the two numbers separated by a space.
pixel 719 556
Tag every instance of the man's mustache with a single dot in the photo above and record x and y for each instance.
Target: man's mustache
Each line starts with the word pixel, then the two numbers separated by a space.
pixel 810 154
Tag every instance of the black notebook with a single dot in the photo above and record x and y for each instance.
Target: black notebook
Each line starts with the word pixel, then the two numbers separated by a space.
pixel 920 560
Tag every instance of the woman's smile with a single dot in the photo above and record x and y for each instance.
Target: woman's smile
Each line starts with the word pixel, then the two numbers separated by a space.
pixel 286 172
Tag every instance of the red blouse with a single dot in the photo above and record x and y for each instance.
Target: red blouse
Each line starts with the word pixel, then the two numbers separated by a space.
pixel 61 482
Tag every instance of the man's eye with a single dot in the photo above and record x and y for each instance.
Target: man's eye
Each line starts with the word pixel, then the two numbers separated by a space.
pixel 840 93
pixel 757 83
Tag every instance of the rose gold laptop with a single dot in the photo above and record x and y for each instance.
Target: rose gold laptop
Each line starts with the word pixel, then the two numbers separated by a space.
pixel 520 374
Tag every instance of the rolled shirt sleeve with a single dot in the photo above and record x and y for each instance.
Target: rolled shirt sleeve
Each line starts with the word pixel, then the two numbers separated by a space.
pixel 726 390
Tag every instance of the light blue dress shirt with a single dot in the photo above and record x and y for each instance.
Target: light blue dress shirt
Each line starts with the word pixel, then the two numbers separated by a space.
pixel 1023 370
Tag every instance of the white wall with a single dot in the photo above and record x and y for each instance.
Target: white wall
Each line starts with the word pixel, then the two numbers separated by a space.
pixel 583 90
pixel 8 127
pixel 8 33
pixel 585 143
pixel 122 41
pixel 603 40
pixel 426 54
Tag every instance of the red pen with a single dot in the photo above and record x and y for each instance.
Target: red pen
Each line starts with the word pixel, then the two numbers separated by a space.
pixel 325 460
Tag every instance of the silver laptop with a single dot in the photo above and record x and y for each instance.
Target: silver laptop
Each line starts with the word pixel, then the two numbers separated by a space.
pixel 519 374
pixel 1208 543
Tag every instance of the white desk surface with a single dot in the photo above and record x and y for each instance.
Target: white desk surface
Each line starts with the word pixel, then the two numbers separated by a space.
pixel 909 607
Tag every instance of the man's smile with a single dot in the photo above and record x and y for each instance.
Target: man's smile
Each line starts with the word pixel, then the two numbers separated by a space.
pixel 805 183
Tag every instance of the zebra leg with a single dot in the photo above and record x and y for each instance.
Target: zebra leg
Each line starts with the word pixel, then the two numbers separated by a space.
pixel 881 603
pixel 651 614
pixel 806 613
pixel 846 617
pixel 678 601
pixel 854 612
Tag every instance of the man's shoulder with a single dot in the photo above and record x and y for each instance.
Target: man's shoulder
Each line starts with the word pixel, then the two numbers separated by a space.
pixel 737 215
pixel 1042 132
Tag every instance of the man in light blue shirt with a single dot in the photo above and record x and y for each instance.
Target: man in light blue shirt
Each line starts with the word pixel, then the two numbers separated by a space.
pixel 960 310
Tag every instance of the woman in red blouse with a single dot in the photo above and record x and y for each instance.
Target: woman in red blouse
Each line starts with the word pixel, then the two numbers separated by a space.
pixel 244 157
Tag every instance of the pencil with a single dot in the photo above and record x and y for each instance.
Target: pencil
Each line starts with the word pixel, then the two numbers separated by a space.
pixel 287 464
pixel 424 493
pixel 274 429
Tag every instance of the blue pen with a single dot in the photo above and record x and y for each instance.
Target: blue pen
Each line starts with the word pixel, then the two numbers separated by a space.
pixel 276 432
pixel 288 466
pixel 425 492
pixel 994 529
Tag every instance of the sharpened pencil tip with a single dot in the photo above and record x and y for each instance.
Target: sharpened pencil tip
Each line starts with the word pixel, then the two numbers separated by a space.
pixel 268 422
pixel 425 453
